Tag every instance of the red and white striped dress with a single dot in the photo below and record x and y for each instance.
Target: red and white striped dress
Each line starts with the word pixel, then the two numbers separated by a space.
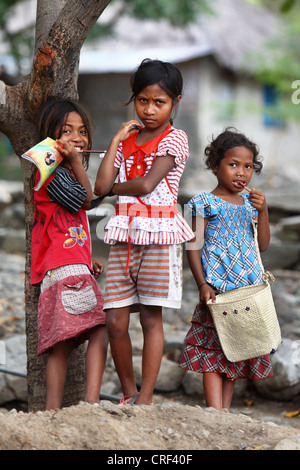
pixel 151 228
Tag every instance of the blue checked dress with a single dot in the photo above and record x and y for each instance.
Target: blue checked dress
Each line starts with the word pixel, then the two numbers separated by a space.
pixel 229 260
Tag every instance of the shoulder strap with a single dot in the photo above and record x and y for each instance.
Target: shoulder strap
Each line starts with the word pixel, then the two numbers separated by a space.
pixel 266 275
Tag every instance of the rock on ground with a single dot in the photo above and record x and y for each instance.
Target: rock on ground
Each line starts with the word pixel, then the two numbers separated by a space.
pixel 168 426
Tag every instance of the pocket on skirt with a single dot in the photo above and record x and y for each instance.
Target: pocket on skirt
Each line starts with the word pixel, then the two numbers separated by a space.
pixel 78 298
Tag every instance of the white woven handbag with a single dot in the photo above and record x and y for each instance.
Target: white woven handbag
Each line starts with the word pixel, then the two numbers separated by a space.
pixel 245 318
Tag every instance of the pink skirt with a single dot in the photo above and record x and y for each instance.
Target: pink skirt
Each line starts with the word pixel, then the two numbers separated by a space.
pixel 68 308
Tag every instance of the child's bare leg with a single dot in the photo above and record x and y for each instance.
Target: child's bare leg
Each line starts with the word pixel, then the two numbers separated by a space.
pixel 95 362
pixel 152 325
pixel 56 373
pixel 218 390
pixel 213 386
pixel 227 392
pixel 117 323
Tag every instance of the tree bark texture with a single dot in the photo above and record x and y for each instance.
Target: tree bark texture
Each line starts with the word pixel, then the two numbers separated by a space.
pixel 61 30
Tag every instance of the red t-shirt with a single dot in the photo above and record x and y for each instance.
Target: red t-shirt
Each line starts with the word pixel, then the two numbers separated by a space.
pixel 59 237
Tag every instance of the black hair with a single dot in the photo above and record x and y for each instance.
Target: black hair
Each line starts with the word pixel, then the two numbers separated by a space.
pixel 229 139
pixel 52 118
pixel 151 72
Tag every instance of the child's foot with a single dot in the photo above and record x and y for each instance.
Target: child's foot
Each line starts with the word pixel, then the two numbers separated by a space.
pixel 139 400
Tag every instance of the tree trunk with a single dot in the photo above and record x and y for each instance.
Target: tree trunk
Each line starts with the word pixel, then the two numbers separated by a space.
pixel 60 33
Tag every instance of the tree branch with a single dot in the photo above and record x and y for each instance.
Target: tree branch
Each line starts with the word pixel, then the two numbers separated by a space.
pixel 56 61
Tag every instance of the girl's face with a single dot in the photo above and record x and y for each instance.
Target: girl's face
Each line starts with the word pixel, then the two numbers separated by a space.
pixel 154 107
pixel 235 169
pixel 75 132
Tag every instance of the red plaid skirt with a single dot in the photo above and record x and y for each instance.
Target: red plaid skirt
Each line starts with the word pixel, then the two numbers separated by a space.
pixel 69 309
pixel 203 352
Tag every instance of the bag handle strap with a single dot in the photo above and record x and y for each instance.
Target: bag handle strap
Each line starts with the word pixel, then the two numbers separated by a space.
pixel 267 276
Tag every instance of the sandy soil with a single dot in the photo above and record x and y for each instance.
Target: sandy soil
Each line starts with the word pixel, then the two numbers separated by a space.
pixel 163 426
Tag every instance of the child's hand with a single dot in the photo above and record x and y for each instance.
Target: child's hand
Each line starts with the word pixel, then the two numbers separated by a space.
pixel 258 200
pixel 126 129
pixel 67 150
pixel 206 293
pixel 98 268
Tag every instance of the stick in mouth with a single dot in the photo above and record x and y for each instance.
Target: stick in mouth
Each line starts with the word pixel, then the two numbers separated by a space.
pixel 247 189
pixel 92 151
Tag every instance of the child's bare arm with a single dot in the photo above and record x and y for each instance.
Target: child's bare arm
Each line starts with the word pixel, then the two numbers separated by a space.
pixel 194 259
pixel 146 184
pixel 107 172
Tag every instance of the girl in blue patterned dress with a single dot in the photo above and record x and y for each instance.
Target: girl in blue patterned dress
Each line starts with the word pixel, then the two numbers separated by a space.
pixel 228 260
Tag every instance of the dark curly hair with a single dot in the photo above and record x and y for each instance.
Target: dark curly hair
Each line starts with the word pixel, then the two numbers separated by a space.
pixel 229 139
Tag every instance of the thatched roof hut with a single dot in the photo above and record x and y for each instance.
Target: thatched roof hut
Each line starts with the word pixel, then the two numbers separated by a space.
pixel 231 33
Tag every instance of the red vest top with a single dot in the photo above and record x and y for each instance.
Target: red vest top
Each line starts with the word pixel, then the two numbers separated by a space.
pixel 58 236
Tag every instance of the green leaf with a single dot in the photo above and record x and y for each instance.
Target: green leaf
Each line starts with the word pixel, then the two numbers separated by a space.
pixel 287 5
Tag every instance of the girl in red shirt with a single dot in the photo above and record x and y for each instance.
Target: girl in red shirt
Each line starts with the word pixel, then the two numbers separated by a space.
pixel 70 307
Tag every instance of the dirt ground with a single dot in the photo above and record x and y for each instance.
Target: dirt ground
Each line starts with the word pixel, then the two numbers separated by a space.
pixel 174 423
pixel 168 425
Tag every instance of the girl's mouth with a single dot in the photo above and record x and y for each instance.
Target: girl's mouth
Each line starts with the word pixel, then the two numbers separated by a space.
pixel 239 184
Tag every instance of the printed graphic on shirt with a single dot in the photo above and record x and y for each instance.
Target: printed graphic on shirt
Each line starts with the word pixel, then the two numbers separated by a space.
pixel 78 236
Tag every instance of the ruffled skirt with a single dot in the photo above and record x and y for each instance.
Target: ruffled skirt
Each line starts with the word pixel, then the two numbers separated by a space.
pixel 148 231
pixel 203 352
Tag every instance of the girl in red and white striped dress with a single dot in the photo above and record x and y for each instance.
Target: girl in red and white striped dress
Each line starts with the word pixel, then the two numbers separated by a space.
pixel 147 231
